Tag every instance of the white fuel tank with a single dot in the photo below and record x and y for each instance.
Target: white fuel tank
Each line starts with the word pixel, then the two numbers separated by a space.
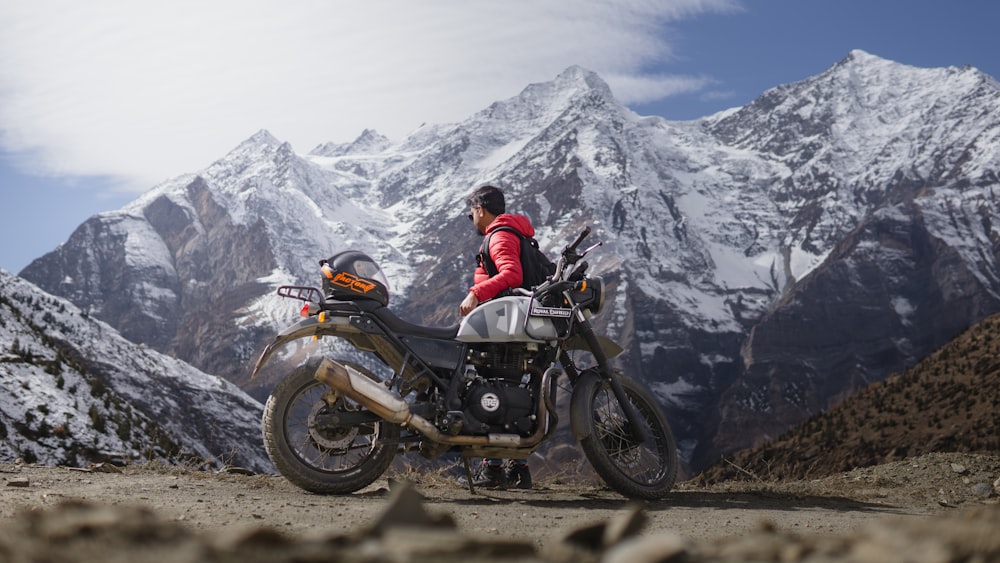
pixel 503 320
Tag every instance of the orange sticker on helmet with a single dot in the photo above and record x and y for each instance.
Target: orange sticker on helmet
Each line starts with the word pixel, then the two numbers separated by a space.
pixel 352 282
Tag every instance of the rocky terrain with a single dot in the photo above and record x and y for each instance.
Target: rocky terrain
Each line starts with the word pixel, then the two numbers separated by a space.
pixel 936 507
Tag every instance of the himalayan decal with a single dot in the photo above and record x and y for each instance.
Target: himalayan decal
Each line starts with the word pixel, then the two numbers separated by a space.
pixel 352 282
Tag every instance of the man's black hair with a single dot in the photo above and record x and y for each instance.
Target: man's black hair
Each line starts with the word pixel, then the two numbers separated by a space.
pixel 489 197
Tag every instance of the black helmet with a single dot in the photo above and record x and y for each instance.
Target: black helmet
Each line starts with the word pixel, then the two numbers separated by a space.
pixel 351 275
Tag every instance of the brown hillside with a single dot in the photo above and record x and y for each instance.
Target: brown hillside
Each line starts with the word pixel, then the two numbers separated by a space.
pixel 948 402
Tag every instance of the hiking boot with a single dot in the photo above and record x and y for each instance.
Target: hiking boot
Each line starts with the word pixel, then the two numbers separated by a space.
pixel 518 475
pixel 490 477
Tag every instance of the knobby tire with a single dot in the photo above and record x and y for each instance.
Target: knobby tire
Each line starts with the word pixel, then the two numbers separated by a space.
pixel 643 471
pixel 331 460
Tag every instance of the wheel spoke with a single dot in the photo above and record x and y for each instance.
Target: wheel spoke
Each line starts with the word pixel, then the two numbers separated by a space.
pixel 636 469
pixel 642 462
pixel 330 449
pixel 313 453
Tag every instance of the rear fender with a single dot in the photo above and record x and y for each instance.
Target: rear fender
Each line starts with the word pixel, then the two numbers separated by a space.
pixel 309 326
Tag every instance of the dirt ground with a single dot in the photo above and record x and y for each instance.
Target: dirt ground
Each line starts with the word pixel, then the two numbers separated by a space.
pixel 205 506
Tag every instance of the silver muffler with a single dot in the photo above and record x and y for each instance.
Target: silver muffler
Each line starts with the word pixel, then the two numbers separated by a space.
pixel 369 393
pixel 389 406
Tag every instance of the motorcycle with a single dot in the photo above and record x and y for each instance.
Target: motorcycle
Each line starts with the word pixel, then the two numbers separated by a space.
pixel 483 388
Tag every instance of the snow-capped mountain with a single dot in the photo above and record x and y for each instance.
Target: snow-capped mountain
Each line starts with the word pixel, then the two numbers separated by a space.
pixel 74 391
pixel 765 261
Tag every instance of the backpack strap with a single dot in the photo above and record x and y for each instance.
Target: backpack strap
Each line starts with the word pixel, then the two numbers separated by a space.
pixel 484 259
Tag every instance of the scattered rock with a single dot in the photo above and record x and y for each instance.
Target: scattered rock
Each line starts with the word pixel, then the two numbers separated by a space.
pixel 623 526
pixel 653 549
pixel 416 544
pixel 966 536
pixel 589 537
pixel 959 468
pixel 250 537
pixel 982 490
pixel 590 541
pixel 233 470
pixel 406 509
pixel 105 468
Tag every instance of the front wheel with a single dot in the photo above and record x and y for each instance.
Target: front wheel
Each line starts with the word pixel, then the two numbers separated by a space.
pixel 314 454
pixel 636 470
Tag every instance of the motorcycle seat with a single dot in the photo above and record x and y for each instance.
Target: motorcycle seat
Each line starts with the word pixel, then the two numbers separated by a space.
pixel 401 326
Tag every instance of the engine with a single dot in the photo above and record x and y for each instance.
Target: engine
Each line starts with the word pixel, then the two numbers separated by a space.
pixel 498 406
pixel 499 395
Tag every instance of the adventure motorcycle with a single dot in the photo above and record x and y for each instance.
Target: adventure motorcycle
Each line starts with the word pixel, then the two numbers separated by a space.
pixel 485 387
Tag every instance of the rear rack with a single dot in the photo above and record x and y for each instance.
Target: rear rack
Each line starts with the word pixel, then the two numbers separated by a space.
pixel 301 292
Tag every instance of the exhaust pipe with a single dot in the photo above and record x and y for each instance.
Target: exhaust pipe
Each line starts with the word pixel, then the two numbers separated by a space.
pixel 389 406
pixel 373 396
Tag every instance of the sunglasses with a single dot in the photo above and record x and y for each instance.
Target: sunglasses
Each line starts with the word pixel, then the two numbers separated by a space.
pixel 470 214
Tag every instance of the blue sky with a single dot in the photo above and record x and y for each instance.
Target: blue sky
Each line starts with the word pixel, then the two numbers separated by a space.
pixel 101 100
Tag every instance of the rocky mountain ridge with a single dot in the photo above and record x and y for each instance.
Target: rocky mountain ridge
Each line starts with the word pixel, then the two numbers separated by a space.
pixel 74 392
pixel 764 262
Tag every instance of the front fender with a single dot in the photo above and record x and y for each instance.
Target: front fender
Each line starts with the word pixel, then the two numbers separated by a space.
pixel 608 346
pixel 579 408
pixel 309 326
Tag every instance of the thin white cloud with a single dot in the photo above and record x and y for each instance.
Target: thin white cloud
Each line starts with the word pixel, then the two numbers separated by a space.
pixel 640 89
pixel 713 95
pixel 147 90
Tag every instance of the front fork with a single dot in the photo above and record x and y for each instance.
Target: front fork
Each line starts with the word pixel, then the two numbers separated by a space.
pixel 637 427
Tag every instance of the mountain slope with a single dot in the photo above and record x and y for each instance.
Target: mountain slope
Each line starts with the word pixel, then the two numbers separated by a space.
pixel 74 391
pixel 764 262
pixel 948 402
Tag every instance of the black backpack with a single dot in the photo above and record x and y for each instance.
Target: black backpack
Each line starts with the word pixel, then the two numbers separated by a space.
pixel 535 265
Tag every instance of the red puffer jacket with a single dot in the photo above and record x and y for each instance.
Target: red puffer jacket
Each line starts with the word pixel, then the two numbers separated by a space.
pixel 505 250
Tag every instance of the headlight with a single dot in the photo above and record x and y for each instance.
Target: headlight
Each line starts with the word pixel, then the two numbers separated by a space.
pixel 591 295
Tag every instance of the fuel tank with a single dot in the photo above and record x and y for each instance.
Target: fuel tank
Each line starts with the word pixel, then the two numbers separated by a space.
pixel 503 320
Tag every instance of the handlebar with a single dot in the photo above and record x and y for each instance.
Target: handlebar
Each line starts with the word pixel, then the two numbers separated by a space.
pixel 571 249
pixel 569 257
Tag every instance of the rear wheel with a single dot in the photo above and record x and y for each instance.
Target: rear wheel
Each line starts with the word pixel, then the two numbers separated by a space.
pixel 314 454
pixel 644 470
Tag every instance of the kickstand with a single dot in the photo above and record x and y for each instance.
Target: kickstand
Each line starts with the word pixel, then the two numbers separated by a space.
pixel 468 476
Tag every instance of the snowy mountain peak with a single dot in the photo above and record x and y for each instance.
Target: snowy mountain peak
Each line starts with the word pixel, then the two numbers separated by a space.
pixel 368 142
pixel 863 108
pixel 862 70
pixel 860 59
pixel 571 86
pixel 545 100
pixel 262 137
pixel 582 80
pixel 860 56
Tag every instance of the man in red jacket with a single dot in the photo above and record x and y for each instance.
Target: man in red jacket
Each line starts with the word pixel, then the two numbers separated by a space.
pixel 488 211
